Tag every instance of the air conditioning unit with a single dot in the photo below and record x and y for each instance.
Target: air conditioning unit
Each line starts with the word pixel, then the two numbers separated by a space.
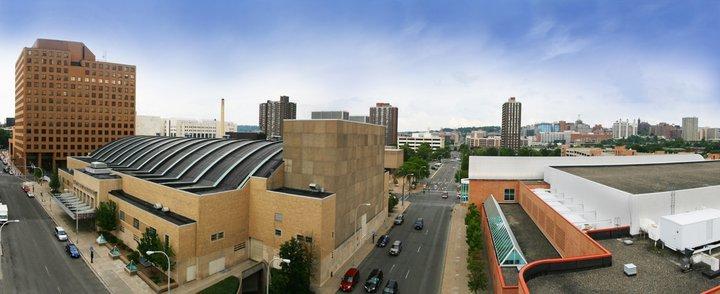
pixel 158 205
pixel 166 209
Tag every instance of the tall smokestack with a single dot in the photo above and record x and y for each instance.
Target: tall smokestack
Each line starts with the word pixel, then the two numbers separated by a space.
pixel 221 127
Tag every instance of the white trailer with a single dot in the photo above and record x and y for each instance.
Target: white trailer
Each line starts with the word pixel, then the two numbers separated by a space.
pixel 3 213
pixel 691 229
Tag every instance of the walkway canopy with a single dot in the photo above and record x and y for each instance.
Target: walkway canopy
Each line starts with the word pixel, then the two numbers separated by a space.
pixel 507 250
pixel 74 207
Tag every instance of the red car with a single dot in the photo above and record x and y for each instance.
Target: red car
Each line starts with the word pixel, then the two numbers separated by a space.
pixel 352 276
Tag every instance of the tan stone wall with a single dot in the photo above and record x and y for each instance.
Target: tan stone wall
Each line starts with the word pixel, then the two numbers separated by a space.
pixel 393 158
pixel 343 157
pixel 184 203
pixel 73 163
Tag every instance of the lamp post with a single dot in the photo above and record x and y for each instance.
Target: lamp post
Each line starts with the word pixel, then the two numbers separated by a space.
pixel 355 229
pixel 267 283
pixel 149 252
pixel 1 227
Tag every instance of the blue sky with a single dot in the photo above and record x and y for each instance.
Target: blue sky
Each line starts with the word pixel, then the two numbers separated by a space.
pixel 443 63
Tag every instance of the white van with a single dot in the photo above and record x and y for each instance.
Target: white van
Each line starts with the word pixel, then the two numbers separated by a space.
pixel 3 213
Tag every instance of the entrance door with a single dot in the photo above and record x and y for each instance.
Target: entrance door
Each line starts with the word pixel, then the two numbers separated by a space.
pixel 216 265
pixel 191 273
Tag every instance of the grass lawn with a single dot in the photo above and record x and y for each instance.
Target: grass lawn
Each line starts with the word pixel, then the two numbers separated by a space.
pixel 229 285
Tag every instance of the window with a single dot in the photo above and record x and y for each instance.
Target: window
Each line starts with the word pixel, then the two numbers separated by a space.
pixel 278 232
pixel 151 230
pixel 308 239
pixel 217 236
pixel 509 194
pixel 136 223
pixel 278 217
pixel 167 241
pixel 121 215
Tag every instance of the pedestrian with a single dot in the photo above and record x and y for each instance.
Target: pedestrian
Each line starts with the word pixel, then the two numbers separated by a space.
pixel 373 235
pixel 92 254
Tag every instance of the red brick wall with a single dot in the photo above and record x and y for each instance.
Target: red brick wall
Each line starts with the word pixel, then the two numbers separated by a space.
pixel 479 190
pixel 496 277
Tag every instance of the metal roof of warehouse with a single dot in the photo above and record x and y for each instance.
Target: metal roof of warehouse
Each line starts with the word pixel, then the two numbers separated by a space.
pixel 192 164
pixel 651 178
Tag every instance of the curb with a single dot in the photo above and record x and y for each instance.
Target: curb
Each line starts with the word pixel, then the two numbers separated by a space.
pixel 82 255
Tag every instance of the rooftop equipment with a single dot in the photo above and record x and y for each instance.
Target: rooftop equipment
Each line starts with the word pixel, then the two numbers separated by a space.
pixel 691 229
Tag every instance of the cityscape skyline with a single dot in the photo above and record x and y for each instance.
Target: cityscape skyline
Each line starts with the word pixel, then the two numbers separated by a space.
pixel 650 60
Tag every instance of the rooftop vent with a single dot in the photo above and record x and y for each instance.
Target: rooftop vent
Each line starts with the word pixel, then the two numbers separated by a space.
pixel 98 168
pixel 166 209
pixel 158 206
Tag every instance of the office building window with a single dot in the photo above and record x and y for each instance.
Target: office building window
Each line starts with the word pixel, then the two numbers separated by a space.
pixel 509 194
pixel 121 215
pixel 136 223
pixel 278 232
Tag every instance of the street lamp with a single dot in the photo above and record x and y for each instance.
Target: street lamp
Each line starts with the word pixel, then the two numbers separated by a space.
pixel 267 283
pixel 355 229
pixel 150 252
pixel 1 226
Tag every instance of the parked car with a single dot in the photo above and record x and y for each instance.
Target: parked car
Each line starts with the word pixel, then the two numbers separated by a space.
pixel 445 195
pixel 419 224
pixel 60 234
pixel 399 219
pixel 31 195
pixel 383 241
pixel 374 281
pixel 396 248
pixel 72 250
pixel 351 278
pixel 391 287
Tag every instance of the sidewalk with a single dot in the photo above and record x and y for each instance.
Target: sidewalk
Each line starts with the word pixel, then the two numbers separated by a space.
pixel 454 278
pixel 333 284
pixel 110 272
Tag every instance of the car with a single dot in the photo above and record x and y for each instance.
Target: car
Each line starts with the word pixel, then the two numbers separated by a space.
pixel 383 241
pixel 419 224
pixel 72 250
pixel 396 248
pixel 31 195
pixel 399 219
pixel 349 280
pixel 60 234
pixel 391 287
pixel 445 195
pixel 374 281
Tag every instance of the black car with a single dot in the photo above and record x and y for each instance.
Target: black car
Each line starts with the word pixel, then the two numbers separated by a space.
pixel 374 281
pixel 419 224
pixel 391 287
pixel 383 241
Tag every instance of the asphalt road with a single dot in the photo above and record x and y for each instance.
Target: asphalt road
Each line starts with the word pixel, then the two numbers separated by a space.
pixel 418 268
pixel 34 261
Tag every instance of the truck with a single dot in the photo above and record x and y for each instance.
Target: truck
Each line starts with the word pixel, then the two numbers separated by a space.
pixel 3 213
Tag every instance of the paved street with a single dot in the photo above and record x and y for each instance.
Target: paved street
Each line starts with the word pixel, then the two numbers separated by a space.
pixel 418 268
pixel 34 261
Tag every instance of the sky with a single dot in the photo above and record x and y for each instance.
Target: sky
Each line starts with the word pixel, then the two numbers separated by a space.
pixel 442 63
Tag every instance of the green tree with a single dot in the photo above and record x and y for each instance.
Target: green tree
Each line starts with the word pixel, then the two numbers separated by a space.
pixel 506 152
pixel 54 182
pixel 492 151
pixel 151 242
pixel 37 174
pixel 106 216
pixel 392 201
pixel 424 151
pixel 293 277
pixel 4 139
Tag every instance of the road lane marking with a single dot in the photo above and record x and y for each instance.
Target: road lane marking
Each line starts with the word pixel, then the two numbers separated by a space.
pixel 426 231
pixel 392 268
pixel 59 291
pixel 47 271
pixel 406 274
pixel 419 249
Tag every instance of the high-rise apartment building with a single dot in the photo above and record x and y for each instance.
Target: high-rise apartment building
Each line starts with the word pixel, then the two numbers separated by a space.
pixel 690 129
pixel 624 129
pixel 343 115
pixel 68 104
pixel 510 132
pixel 386 115
pixel 272 114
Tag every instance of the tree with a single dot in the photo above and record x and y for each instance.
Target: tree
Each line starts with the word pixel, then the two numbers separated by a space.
pixel 392 201
pixel 4 139
pixel 492 151
pixel 424 151
pixel 37 174
pixel 506 152
pixel 293 277
pixel 54 182
pixel 474 238
pixel 151 242
pixel 106 216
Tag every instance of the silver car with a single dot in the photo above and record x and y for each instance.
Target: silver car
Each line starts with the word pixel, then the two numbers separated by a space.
pixel 396 248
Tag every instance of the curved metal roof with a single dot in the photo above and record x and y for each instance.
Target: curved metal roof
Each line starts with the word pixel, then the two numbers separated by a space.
pixel 192 164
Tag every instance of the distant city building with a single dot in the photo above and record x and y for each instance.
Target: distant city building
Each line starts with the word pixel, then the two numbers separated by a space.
pixel 546 128
pixel 272 114
pixel 662 129
pixel 359 118
pixel 624 129
pixel 563 126
pixel 386 115
pixel 581 127
pixel 643 128
pixel 68 103
pixel 690 129
pixel 10 121
pixel 245 135
pixel 484 142
pixel 598 129
pixel 554 137
pixel 510 132
pixel 416 139
pixel 709 134
pixel 179 127
pixel 344 115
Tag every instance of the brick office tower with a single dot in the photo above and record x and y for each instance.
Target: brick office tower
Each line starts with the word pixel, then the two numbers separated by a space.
pixel 386 115
pixel 510 136
pixel 68 104
pixel 272 114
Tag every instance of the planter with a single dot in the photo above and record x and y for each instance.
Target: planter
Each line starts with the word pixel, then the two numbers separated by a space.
pixel 162 287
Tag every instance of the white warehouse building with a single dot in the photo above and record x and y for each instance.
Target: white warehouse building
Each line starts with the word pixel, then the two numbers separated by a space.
pixel 416 139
